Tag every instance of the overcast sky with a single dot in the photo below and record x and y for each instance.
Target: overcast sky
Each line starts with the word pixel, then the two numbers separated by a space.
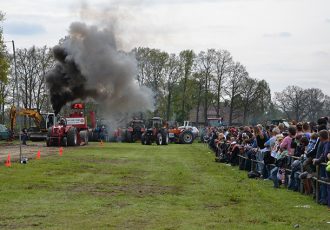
pixel 285 42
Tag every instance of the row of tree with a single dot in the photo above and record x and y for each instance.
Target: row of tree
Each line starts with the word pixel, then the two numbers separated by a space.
pixel 4 68
pixel 185 85
pixel 303 104
pixel 199 82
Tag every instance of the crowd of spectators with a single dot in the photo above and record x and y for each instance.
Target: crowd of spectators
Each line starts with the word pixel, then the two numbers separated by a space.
pixel 296 156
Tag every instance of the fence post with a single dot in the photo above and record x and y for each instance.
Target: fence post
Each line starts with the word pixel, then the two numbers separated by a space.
pixel 252 165
pixel 317 183
pixel 301 184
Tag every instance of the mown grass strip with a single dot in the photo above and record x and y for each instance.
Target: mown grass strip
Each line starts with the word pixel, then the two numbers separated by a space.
pixel 131 186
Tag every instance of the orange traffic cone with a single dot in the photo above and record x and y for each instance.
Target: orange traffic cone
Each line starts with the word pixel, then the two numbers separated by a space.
pixel 101 143
pixel 8 163
pixel 38 155
pixel 61 151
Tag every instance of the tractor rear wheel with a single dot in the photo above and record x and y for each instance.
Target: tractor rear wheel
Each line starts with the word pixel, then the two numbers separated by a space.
pixel 186 137
pixel 159 139
pixel 143 139
pixel 72 137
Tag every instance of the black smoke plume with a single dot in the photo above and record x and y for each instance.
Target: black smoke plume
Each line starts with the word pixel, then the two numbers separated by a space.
pixel 90 66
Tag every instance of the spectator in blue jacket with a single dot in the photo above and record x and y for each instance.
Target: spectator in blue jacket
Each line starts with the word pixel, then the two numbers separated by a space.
pixel 321 157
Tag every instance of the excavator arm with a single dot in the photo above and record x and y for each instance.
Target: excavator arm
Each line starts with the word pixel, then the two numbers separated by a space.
pixel 34 114
pixel 12 116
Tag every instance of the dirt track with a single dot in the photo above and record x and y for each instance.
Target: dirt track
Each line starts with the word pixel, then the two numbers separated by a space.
pixel 30 150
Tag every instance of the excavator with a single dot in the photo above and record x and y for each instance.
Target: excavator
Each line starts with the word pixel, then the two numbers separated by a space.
pixel 42 120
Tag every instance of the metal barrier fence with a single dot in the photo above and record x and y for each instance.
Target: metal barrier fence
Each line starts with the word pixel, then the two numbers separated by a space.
pixel 315 179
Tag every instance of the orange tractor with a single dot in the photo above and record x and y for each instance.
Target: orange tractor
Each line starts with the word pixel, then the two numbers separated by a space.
pixel 70 131
pixel 181 135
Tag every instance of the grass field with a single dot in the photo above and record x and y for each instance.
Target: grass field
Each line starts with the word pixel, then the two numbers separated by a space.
pixel 131 186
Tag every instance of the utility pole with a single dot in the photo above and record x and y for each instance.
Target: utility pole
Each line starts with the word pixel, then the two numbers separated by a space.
pixel 17 104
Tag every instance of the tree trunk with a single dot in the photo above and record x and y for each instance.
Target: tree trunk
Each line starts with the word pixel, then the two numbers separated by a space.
pixel 245 114
pixel 198 103
pixel 218 97
pixel 169 98
pixel 184 97
pixel 231 109
pixel 3 113
pixel 206 98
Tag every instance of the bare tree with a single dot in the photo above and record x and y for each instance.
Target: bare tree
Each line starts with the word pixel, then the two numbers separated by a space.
pixel 198 79
pixel 45 63
pixel 248 94
pixel 263 101
pixel 32 65
pixel 172 72
pixel 222 63
pixel 326 106
pixel 315 103
pixel 151 66
pixel 187 60
pixel 141 55
pixel 204 64
pixel 234 87
pixel 292 101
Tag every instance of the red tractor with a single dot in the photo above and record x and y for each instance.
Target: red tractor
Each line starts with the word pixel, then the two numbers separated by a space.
pixel 70 131
pixel 134 131
pixel 155 132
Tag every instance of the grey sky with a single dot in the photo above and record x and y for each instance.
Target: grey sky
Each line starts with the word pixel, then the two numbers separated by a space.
pixel 282 41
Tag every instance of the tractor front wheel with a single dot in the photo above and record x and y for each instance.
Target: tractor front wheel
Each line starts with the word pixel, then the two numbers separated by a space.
pixel 165 137
pixel 84 136
pixel 145 139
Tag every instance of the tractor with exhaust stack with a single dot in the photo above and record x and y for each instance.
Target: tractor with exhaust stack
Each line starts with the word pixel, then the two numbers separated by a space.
pixel 71 130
